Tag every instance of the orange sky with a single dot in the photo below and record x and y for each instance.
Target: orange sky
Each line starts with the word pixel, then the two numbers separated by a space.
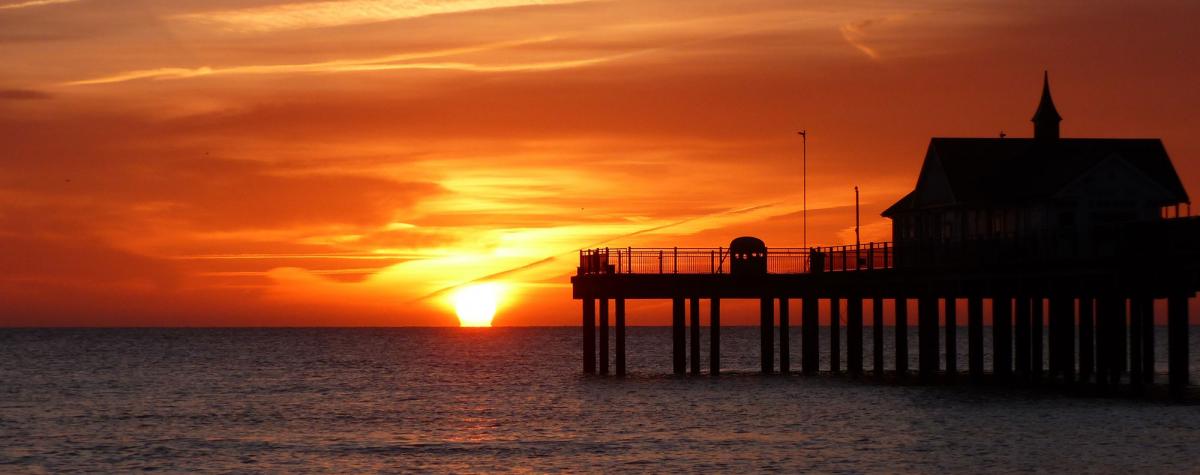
pixel 275 162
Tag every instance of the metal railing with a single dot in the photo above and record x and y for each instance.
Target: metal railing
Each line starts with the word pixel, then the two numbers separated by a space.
pixel 704 260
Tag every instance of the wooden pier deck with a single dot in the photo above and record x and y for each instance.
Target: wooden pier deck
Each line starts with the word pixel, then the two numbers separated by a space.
pixel 1096 315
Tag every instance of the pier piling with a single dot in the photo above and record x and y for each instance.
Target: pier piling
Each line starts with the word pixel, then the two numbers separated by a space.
pixel 603 337
pixel 785 337
pixel 620 304
pixel 835 335
pixel 1002 337
pixel 877 335
pixel 1177 343
pixel 951 321
pixel 810 345
pixel 695 334
pixel 766 334
pixel 589 336
pixel 1021 336
pixel 1087 338
pixel 927 337
pixel 678 358
pixel 1037 340
pixel 714 336
pixel 901 337
pixel 975 338
pixel 854 335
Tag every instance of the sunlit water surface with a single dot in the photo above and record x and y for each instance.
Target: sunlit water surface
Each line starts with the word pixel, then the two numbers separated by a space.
pixel 465 400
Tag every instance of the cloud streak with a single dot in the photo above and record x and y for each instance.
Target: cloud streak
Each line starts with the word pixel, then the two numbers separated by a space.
pixel 339 13
pixel 34 3
pixel 383 63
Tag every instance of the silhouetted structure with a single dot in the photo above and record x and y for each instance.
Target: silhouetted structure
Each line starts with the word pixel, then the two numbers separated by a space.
pixel 1043 231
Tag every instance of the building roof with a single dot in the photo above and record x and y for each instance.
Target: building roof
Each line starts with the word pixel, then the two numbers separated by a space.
pixel 1004 171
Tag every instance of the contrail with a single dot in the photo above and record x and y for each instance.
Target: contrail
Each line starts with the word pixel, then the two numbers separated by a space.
pixel 552 258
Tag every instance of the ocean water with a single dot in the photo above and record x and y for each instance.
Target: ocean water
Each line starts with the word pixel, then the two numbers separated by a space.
pixel 513 399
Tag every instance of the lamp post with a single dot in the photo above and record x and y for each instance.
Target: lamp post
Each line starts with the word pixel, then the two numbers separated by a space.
pixel 804 185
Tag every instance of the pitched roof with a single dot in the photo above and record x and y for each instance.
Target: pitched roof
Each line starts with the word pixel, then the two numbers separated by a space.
pixel 994 171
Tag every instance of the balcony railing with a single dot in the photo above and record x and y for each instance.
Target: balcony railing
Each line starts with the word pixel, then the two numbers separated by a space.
pixel 704 260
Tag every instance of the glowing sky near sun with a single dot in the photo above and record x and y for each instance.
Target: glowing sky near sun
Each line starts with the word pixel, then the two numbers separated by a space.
pixel 350 162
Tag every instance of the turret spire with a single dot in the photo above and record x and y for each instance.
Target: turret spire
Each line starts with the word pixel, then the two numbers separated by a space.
pixel 1046 119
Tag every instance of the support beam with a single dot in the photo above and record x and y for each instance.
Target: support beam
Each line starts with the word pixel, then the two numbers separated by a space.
pixel 766 333
pixel 589 335
pixel 714 336
pixel 901 337
pixel 1177 342
pixel 678 358
pixel 1109 309
pixel 695 333
pixel 975 338
pixel 785 337
pixel 620 304
pixel 1062 310
pixel 1002 316
pixel 1136 379
pixel 951 313
pixel 604 337
pixel 854 335
pixel 877 335
pixel 1036 339
pixel 1021 336
pixel 1148 339
pixel 927 337
pixel 835 335
pixel 1087 338
pixel 810 336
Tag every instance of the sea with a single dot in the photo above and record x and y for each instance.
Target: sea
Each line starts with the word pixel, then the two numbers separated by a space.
pixel 457 400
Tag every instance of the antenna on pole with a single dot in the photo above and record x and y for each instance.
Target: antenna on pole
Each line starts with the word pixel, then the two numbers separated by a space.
pixel 804 185
pixel 857 240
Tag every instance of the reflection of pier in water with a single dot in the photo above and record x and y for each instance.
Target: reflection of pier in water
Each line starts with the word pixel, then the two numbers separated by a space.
pixel 1068 241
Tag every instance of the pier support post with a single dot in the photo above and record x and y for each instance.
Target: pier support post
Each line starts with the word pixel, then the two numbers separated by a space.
pixel 1135 342
pixel 1108 310
pixel 951 313
pixel 975 338
pixel 785 337
pixel 810 335
pixel 1062 317
pixel 766 334
pixel 1177 342
pixel 835 335
pixel 1122 338
pixel 1148 339
pixel 714 336
pixel 1036 340
pixel 603 337
pixel 695 333
pixel 927 334
pixel 620 304
pixel 854 335
pixel 1002 317
pixel 678 358
pixel 877 335
pixel 901 337
pixel 589 335
pixel 1021 335
pixel 1087 338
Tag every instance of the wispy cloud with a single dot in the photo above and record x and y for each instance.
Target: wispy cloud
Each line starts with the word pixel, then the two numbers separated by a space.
pixel 349 12
pixel 854 34
pixel 34 3
pixel 383 63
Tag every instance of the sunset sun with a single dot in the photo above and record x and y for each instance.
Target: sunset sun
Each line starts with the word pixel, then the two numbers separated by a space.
pixel 476 304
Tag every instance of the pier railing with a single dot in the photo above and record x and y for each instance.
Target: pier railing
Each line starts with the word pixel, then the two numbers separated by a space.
pixel 705 260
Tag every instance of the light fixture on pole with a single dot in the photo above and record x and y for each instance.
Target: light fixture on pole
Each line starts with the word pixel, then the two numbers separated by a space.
pixel 804 185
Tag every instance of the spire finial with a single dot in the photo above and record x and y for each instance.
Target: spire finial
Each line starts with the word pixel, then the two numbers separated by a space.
pixel 1046 119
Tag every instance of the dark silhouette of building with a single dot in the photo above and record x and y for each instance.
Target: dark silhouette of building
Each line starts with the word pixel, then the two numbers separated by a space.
pixel 1041 198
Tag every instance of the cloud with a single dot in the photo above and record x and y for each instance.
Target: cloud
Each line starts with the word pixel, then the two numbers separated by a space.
pixel 379 63
pixel 34 3
pixel 854 33
pixel 22 95
pixel 338 13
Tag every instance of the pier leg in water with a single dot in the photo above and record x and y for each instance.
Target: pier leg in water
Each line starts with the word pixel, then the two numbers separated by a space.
pixel 1148 339
pixel 951 313
pixel 1177 343
pixel 1036 340
pixel 766 330
pixel 901 337
pixel 1002 337
pixel 854 335
pixel 1087 338
pixel 620 304
pixel 714 336
pixel 1021 334
pixel 589 336
pixel 1122 338
pixel 877 335
pixel 603 337
pixel 785 337
pixel 835 334
pixel 810 336
pixel 1062 313
pixel 1135 343
pixel 678 358
pixel 695 333
pixel 975 338
pixel 927 331
pixel 1108 309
